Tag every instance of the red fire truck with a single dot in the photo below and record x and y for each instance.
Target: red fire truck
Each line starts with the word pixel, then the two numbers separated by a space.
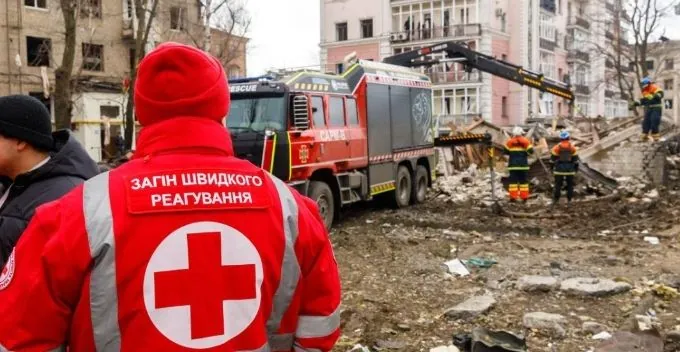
pixel 340 139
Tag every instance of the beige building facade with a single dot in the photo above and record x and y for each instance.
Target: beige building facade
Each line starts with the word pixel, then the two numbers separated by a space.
pixel 32 46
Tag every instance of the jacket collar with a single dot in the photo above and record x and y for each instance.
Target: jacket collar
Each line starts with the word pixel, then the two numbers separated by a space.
pixel 184 135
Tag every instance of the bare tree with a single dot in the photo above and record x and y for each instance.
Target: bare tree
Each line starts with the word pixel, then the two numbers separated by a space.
pixel 145 13
pixel 63 105
pixel 627 54
pixel 221 29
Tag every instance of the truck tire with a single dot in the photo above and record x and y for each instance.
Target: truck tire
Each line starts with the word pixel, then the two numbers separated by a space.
pixel 321 193
pixel 419 185
pixel 402 192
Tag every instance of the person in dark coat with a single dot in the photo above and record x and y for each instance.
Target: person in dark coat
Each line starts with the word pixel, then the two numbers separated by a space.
pixel 37 166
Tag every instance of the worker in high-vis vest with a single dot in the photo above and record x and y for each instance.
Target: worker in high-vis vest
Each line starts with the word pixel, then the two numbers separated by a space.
pixel 518 149
pixel 183 248
pixel 651 100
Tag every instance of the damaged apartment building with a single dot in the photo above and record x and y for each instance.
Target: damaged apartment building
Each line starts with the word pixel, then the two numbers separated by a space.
pixel 32 45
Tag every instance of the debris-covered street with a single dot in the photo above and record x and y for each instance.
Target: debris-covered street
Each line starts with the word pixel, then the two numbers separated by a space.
pixel 398 293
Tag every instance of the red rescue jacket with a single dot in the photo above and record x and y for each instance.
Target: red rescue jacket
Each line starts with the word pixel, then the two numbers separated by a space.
pixel 183 248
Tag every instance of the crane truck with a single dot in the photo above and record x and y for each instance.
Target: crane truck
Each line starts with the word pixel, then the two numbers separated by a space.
pixel 368 132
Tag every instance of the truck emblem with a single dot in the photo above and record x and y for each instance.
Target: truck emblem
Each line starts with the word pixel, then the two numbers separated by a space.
pixel 304 153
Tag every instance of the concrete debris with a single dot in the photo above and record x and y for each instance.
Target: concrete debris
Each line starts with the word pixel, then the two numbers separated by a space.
pixel 449 348
pixel 457 267
pixel 594 327
pixel 464 187
pixel 536 283
pixel 581 286
pixel 472 307
pixel 602 336
pixel 546 322
pixel 651 239
pixel 624 341
pixel 390 344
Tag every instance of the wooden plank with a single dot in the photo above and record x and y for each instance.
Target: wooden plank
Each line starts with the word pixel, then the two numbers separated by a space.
pixel 473 125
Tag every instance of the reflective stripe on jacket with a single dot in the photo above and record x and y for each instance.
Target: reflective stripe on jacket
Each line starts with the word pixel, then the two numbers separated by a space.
pixel 518 149
pixel 565 158
pixel 183 248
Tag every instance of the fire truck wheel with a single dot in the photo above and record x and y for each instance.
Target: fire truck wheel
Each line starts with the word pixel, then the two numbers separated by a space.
pixel 419 185
pixel 402 194
pixel 323 196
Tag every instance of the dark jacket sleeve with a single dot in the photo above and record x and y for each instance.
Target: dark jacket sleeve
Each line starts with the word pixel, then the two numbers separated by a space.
pixel 10 230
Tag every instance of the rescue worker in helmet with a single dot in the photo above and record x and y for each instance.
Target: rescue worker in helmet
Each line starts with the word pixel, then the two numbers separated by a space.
pixel 183 248
pixel 518 148
pixel 651 100
pixel 564 158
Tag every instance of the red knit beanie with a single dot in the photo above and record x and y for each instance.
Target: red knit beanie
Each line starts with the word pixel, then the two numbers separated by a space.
pixel 176 80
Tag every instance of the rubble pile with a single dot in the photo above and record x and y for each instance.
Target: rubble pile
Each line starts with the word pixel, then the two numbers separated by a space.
pixel 471 185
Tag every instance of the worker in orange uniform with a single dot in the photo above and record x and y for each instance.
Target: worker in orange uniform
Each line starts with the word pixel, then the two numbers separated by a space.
pixel 565 160
pixel 518 148
pixel 183 248
pixel 651 100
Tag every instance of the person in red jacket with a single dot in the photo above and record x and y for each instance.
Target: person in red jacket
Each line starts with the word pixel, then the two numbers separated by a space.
pixel 183 248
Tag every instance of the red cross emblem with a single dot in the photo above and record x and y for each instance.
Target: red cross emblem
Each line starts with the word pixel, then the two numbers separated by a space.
pixel 218 285
pixel 188 286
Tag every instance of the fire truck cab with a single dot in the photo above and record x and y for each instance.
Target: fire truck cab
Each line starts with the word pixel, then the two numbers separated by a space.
pixel 339 139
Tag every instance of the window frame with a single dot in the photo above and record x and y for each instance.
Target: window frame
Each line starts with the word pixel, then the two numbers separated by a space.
pixel 331 122
pixel 364 23
pixel 323 111
pixel 49 45
pixel 338 25
pixel 356 112
pixel 35 5
pixel 83 57
pixel 180 19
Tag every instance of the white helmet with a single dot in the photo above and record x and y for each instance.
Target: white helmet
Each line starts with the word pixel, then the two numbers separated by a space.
pixel 517 131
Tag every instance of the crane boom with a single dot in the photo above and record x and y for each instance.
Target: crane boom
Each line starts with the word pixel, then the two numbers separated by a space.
pixel 459 52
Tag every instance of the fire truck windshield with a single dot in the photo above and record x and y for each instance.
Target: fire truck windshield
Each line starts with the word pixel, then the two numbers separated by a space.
pixel 256 114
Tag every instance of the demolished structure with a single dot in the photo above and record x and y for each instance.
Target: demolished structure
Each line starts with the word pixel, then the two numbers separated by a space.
pixel 613 160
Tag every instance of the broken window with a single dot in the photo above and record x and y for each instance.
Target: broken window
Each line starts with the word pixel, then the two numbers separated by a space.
pixel 177 18
pixel 669 64
pixel 367 28
pixel 93 57
pixel 110 111
pixel 668 84
pixel 91 8
pixel 38 51
pixel 39 4
pixel 341 31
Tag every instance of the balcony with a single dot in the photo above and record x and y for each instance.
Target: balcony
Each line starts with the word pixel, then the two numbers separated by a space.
pixel 129 29
pixel 441 77
pixel 609 93
pixel 437 32
pixel 578 21
pixel 547 44
pixel 573 55
pixel 581 89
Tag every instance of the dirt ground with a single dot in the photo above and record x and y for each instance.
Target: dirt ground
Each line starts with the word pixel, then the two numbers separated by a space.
pixel 396 288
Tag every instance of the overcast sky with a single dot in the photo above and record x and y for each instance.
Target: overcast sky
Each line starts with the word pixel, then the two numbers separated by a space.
pixel 284 33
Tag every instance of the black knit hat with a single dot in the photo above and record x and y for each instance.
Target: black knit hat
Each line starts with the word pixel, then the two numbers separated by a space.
pixel 27 119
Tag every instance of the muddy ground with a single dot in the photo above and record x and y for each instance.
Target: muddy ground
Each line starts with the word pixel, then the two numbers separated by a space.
pixel 396 288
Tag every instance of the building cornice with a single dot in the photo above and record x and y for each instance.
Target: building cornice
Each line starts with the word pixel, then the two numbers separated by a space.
pixel 336 44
